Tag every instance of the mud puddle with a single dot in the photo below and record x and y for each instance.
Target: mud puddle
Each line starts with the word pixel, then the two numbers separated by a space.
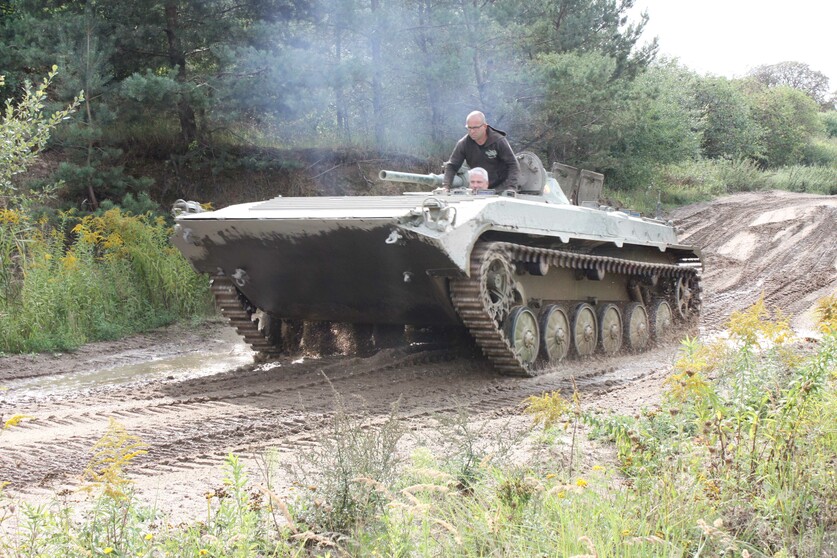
pixel 142 366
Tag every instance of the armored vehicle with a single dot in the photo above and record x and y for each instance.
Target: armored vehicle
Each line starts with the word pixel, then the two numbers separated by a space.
pixel 533 275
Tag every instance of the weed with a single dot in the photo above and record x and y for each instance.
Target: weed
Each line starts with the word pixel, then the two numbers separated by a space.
pixel 468 447
pixel 347 469
pixel 547 409
pixel 111 456
pixel 827 314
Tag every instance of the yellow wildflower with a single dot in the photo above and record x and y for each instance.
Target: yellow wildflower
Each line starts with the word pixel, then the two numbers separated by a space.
pixel 581 482
pixel 107 550
pixel 9 216
pixel 14 420
pixel 70 261
pixel 598 468
pixel 149 536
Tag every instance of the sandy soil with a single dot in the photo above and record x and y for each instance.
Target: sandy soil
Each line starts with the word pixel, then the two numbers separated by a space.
pixel 194 394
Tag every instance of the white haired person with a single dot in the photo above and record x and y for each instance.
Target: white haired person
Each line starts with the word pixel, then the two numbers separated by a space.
pixel 478 179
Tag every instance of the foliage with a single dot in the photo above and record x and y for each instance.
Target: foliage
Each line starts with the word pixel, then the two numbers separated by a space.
pixel 346 469
pixel 730 130
pixel 237 524
pixel 657 127
pixel 578 90
pixel 51 273
pixel 24 131
pixel 820 153
pixel 798 178
pixel 789 118
pixel 747 432
pixel 190 83
pixel 796 75
pixel 547 409
pixel 829 120
pixel 827 314
pixel 112 455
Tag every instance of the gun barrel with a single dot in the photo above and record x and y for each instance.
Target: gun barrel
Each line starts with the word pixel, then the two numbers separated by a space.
pixel 432 180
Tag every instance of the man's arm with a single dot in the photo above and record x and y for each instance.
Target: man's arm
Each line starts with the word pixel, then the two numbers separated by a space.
pixel 509 161
pixel 454 163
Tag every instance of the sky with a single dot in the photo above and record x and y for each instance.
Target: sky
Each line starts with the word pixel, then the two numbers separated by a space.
pixel 731 37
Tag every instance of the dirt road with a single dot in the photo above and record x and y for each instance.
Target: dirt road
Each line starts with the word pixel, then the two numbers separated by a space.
pixel 193 394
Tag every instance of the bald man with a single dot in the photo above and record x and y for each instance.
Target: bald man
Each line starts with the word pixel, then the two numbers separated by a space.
pixel 486 147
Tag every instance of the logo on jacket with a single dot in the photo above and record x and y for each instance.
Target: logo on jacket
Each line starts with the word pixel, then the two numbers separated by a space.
pixel 491 153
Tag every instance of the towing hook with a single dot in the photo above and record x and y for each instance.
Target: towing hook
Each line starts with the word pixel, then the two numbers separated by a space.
pixel 240 277
pixel 393 237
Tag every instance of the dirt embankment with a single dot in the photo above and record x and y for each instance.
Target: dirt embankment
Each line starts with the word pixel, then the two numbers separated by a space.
pixel 194 395
pixel 779 244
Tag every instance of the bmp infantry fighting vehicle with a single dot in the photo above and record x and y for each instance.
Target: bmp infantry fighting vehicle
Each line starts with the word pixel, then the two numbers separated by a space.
pixel 533 276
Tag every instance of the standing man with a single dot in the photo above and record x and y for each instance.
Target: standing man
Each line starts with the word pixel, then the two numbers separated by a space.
pixel 484 147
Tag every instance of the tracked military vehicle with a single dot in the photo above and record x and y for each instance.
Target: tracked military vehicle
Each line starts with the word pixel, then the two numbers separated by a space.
pixel 534 276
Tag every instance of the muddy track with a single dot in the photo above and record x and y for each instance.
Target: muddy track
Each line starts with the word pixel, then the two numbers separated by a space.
pixel 193 423
pixel 780 244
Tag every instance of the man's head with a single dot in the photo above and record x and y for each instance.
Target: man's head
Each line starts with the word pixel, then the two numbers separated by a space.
pixel 477 128
pixel 478 178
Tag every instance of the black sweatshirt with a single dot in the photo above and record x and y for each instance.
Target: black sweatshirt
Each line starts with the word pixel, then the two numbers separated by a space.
pixel 495 156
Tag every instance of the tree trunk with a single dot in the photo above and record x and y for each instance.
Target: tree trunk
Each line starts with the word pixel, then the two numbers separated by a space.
pixel 433 90
pixel 377 65
pixel 90 191
pixel 188 123
pixel 339 95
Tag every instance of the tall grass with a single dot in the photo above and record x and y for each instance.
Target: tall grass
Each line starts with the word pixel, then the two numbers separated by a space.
pixel 90 278
pixel 812 180
pixel 702 180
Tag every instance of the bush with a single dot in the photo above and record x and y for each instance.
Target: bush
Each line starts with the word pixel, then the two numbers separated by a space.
pixel 821 153
pixel 90 278
pixel 829 120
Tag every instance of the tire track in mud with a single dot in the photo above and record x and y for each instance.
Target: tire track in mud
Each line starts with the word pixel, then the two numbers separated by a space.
pixel 195 423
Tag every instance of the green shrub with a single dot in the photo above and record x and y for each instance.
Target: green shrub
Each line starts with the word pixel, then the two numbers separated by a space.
pixel 822 153
pixel 829 120
pixel 90 278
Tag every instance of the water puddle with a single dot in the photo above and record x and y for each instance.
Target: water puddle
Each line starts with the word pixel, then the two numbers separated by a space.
pixel 225 352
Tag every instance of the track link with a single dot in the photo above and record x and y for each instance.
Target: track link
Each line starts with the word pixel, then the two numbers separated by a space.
pixel 241 314
pixel 471 300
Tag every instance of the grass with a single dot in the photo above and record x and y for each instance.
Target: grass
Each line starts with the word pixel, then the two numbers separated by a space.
pixel 88 278
pixel 738 459
pixel 703 180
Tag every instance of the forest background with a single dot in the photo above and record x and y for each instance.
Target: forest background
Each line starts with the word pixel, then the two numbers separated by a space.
pixel 190 98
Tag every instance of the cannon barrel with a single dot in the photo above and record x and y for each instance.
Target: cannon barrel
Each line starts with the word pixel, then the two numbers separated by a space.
pixel 432 180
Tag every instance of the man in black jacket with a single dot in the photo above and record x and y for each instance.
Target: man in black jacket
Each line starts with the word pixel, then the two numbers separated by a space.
pixel 488 148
